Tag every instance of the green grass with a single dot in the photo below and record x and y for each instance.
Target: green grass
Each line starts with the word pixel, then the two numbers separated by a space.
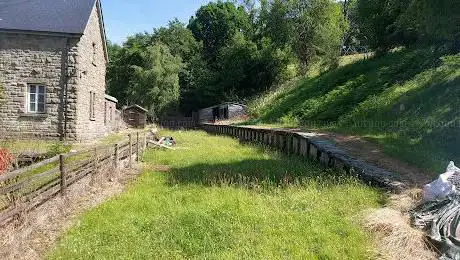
pixel 51 148
pixel 407 101
pixel 223 200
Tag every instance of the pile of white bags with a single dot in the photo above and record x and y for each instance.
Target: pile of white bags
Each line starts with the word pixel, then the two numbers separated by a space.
pixel 444 185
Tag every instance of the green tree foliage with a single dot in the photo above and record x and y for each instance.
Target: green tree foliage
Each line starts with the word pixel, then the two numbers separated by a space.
pixel 144 73
pixel 275 23
pixel 248 68
pixel 155 84
pixel 313 29
pixel 182 44
pixel 215 24
pixel 319 30
pixel 392 23
pixel 436 21
pixel 378 20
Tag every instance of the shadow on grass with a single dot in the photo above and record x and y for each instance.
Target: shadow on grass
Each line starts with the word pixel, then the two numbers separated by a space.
pixel 260 173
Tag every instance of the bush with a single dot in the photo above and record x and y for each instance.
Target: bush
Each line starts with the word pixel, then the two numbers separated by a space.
pixel 6 158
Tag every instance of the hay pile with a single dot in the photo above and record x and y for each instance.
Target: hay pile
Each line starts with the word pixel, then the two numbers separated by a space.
pixel 395 237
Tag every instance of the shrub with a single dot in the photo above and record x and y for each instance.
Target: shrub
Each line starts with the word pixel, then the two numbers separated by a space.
pixel 6 158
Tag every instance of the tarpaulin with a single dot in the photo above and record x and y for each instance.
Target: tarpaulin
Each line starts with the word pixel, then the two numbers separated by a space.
pixel 440 219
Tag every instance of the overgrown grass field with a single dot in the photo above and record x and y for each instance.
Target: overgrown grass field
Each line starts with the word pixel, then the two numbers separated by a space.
pixel 214 198
pixel 407 101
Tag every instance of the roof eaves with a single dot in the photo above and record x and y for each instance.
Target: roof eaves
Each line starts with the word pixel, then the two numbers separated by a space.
pixel 44 33
pixel 110 98
pixel 98 6
pixel 136 106
pixel 104 34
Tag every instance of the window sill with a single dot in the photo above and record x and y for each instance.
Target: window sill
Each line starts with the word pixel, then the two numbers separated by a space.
pixel 34 115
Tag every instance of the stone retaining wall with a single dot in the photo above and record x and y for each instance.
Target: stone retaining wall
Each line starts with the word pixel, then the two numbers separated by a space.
pixel 307 145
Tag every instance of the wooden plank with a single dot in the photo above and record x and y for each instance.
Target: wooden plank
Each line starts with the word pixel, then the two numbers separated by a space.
pixel 22 184
pixel 130 163
pixel 44 188
pixel 16 173
pixel 138 156
pixel 62 170
pixel 116 157
pixel 79 176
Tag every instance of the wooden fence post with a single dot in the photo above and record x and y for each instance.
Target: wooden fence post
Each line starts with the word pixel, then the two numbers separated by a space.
pixel 116 158
pixel 145 142
pixel 63 174
pixel 130 162
pixel 96 160
pixel 137 147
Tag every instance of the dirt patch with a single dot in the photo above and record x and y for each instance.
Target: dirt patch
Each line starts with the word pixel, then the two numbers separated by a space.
pixel 161 168
pixel 36 233
pixel 373 153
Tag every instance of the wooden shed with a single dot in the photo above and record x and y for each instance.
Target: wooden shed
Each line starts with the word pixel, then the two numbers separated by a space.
pixel 135 116
pixel 223 111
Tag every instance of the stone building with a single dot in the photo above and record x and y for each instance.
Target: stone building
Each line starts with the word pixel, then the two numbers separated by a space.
pixel 53 59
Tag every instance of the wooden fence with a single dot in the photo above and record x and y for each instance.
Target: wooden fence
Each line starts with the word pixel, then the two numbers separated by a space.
pixel 24 189
pixel 308 145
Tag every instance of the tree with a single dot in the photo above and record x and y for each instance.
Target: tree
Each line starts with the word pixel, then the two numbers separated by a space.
pixel 182 43
pixel 436 22
pixel 319 29
pixel 275 22
pixel 215 24
pixel 179 39
pixel 378 19
pixel 120 71
pixel 248 68
pixel 155 85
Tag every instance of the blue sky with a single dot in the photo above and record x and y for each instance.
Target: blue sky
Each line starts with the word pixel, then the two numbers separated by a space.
pixel 127 17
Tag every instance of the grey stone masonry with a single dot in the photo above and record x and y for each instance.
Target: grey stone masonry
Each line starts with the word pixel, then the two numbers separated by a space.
pixel 72 70
pixel 91 68
pixel 32 59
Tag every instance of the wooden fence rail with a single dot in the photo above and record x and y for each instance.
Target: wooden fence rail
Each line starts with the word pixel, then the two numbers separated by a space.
pixel 24 189
pixel 307 145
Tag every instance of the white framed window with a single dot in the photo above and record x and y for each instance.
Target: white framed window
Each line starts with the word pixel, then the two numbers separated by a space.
pixel 36 99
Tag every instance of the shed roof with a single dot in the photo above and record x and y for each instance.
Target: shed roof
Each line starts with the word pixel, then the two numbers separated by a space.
pixel 54 16
pixel 110 98
pixel 226 103
pixel 136 106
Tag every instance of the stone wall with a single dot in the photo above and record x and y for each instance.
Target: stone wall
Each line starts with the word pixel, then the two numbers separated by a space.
pixel 27 59
pixel 91 69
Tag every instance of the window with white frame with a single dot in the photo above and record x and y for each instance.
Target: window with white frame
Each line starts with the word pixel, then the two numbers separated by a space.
pixel 36 99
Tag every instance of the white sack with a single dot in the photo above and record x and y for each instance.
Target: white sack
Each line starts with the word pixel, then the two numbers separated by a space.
pixel 443 186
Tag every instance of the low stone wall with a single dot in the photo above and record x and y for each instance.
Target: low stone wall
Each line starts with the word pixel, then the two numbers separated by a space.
pixel 307 145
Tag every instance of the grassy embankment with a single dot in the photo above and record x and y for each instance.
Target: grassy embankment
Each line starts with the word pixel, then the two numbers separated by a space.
pixel 408 101
pixel 214 198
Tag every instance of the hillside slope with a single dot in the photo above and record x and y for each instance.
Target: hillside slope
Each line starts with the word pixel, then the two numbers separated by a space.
pixel 408 101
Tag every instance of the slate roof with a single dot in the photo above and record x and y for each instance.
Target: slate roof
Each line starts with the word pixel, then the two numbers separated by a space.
pixel 52 16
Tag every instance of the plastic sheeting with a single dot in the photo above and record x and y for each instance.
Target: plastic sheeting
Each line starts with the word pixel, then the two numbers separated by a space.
pixel 444 185
pixel 440 219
